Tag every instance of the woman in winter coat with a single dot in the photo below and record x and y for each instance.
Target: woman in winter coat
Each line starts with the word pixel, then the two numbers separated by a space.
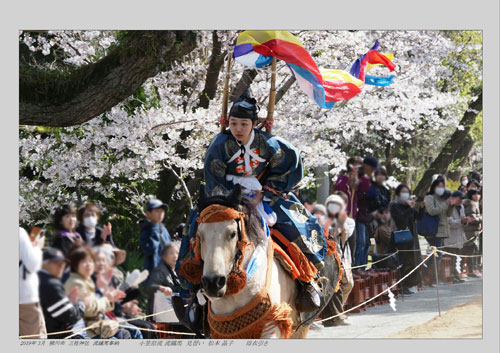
pixel 107 260
pixel 403 216
pixel 437 204
pixel 455 242
pixel 472 229
pixel 163 278
pixel 82 261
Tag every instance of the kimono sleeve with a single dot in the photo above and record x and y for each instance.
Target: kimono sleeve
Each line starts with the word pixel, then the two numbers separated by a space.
pixel 285 167
pixel 215 167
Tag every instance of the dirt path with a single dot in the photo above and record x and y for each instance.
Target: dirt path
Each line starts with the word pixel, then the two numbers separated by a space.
pixel 462 321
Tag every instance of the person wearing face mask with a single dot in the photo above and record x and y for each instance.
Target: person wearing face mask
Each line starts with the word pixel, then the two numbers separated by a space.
pixel 319 211
pixel 472 229
pixel 463 184
pixel 436 204
pixel 403 217
pixel 339 227
pixel 454 243
pixel 88 218
pixel 473 185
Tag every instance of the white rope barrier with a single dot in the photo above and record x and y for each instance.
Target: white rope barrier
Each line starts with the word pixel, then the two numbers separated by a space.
pixel 378 295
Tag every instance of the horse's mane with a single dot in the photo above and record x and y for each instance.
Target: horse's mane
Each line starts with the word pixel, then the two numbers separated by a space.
pixel 234 199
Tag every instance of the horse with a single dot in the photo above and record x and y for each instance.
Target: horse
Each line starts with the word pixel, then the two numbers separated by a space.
pixel 226 245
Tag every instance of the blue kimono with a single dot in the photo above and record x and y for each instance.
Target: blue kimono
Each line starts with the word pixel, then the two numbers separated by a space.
pixel 227 163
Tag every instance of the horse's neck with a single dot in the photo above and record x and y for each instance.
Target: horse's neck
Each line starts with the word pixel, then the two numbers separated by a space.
pixel 230 303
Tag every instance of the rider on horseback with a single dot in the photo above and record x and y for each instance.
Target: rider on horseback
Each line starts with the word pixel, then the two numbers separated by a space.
pixel 268 168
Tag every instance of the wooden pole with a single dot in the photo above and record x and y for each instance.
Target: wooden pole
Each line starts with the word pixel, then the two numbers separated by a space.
pixel 437 280
pixel 225 95
pixel 272 99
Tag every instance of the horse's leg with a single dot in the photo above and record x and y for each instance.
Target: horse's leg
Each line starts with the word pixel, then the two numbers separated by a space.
pixel 301 332
pixel 282 289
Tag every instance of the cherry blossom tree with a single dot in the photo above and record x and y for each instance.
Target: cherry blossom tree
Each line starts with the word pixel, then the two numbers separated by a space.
pixel 158 133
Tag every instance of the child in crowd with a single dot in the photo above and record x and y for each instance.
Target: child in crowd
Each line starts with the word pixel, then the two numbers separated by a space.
pixel 154 235
pixel 383 232
pixel 64 225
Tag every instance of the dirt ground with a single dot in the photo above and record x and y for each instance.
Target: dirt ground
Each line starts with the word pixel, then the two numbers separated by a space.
pixel 462 321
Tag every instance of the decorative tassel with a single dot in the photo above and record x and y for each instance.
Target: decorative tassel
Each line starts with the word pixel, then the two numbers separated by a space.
pixel 192 270
pixel 236 281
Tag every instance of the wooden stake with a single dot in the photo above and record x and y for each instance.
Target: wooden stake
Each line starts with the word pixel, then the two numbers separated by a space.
pixel 272 99
pixel 225 95
pixel 437 280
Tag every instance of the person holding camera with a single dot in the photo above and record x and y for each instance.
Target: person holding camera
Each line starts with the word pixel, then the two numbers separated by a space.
pixel 404 213
pixel 455 242
pixel 438 203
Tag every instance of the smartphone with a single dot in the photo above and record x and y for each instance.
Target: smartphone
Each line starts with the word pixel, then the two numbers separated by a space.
pixel 36 231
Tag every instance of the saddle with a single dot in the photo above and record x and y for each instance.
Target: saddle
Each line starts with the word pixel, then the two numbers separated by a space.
pixel 296 264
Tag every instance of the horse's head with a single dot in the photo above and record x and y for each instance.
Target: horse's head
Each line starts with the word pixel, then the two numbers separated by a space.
pixel 223 238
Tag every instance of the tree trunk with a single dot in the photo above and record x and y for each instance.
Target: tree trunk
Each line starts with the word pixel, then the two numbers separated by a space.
pixel 461 157
pixel 447 155
pixel 390 153
pixel 243 84
pixel 286 86
pixel 51 98
pixel 214 67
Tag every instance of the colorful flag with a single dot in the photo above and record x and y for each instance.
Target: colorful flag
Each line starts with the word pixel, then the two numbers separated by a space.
pixel 324 86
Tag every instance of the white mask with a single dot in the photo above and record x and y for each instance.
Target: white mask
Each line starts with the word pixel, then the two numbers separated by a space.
pixel 404 196
pixel 90 222
pixel 333 208
pixel 464 182
pixel 439 191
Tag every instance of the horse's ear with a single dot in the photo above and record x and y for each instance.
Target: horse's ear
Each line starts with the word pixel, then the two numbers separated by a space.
pixel 234 197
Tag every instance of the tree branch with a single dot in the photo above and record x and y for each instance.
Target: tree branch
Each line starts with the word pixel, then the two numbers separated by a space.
pixel 214 67
pixel 55 98
pixel 243 84
pixel 441 163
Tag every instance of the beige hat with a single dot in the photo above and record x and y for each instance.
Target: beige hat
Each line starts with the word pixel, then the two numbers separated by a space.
pixel 119 254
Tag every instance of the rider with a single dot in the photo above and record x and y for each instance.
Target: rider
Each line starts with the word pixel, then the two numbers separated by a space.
pixel 267 167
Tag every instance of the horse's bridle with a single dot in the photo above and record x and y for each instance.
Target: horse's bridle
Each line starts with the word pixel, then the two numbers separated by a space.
pixel 219 213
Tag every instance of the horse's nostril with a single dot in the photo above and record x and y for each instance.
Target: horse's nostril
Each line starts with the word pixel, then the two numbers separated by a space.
pixel 221 281
pixel 213 283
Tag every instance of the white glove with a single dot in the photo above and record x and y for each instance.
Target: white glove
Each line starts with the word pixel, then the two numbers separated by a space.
pixel 136 277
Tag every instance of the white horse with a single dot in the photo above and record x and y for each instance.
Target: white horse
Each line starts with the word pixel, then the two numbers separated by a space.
pixel 218 250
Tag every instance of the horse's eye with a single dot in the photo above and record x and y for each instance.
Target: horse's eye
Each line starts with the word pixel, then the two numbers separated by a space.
pixel 233 234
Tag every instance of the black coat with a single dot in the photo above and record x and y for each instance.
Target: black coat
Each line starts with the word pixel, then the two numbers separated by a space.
pixel 378 196
pixel 162 275
pixel 404 218
pixel 58 311
pixel 64 242
pixel 98 240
